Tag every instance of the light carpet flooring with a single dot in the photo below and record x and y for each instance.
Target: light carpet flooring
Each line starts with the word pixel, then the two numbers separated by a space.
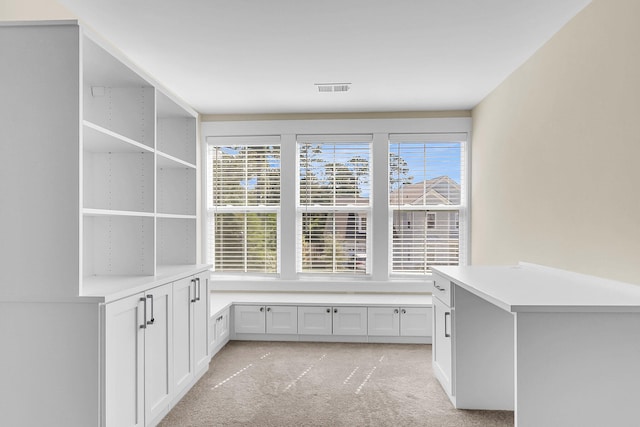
pixel 323 384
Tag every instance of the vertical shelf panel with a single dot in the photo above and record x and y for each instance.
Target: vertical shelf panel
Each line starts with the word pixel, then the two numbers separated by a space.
pixel 176 241
pixel 118 246
pixel 39 176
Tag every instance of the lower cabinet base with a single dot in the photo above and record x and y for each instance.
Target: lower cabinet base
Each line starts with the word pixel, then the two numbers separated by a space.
pixel 332 338
pixel 178 397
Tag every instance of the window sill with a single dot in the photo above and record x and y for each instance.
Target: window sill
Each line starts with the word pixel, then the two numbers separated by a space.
pixel 256 283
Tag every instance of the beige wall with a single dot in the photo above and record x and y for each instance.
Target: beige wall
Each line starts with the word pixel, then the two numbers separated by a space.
pixel 556 152
pixel 25 10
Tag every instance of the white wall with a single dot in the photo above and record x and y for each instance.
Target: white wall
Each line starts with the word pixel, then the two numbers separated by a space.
pixel 556 152
pixel 24 10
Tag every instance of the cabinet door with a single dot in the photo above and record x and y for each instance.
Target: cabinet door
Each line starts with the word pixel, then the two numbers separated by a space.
pixel 213 333
pixel 314 320
pixel 442 345
pixel 249 319
pixel 183 370
pixel 222 330
pixel 384 321
pixel 282 319
pixel 415 321
pixel 200 321
pixel 158 351
pixel 124 362
pixel 350 321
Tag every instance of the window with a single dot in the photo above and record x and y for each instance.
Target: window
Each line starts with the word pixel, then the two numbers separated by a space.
pixel 351 205
pixel 333 203
pixel 244 206
pixel 426 194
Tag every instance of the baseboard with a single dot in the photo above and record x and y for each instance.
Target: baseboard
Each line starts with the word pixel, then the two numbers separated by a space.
pixel 331 338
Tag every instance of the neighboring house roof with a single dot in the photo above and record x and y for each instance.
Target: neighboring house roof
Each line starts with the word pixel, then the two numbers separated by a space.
pixel 437 191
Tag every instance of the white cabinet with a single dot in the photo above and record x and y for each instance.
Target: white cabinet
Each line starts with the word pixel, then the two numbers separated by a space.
pixel 315 320
pixel 400 321
pixel 124 362
pixel 442 350
pixel 218 331
pixel 190 329
pixel 261 319
pixel 158 351
pixel 349 320
pixel 415 321
pixel 384 321
pixel 138 359
pixel 282 319
pixel 249 319
pixel 201 321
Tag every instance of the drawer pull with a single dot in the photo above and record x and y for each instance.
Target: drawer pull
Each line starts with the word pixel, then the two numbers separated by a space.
pixel 438 287
pixel 144 323
pixel 446 334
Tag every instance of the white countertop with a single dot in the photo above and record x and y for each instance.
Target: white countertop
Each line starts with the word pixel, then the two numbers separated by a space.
pixel 111 288
pixel 529 287
pixel 221 300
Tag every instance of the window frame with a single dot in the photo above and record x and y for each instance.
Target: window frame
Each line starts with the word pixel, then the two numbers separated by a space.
pixel 460 209
pixel 212 209
pixel 332 209
pixel 378 224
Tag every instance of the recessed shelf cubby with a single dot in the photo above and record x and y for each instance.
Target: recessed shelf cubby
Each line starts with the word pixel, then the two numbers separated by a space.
pixel 118 245
pixel 176 130
pixel 176 244
pixel 116 174
pixel 115 97
pixel 176 187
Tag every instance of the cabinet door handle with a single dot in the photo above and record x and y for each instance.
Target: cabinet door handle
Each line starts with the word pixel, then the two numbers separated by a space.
pixel 395 311
pixel 328 310
pixel 335 310
pixel 194 290
pixel 438 287
pixel 404 311
pixel 198 297
pixel 152 321
pixel 268 308
pixel 144 323
pixel 446 334
pixel 261 309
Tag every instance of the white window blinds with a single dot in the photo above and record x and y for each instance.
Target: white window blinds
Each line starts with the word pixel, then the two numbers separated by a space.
pixel 426 197
pixel 334 203
pixel 244 206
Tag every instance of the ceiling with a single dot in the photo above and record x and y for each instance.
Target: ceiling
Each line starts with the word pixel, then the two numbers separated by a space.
pixel 265 56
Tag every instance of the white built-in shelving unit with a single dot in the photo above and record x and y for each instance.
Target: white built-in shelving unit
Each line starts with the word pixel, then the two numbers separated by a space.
pixel 138 175
pixel 101 290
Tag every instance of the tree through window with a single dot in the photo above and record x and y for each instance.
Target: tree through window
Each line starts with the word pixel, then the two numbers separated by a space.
pixel 333 204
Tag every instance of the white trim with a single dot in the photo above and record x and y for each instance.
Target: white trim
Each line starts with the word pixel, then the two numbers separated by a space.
pixel 335 138
pixel 243 140
pixel 428 137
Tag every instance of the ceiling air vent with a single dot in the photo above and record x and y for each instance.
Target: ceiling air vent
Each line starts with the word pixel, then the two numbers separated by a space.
pixel 333 87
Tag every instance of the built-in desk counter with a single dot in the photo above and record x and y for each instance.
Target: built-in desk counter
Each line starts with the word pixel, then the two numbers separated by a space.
pixel 559 348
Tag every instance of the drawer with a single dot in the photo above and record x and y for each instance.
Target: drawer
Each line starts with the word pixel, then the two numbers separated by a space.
pixel 441 289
